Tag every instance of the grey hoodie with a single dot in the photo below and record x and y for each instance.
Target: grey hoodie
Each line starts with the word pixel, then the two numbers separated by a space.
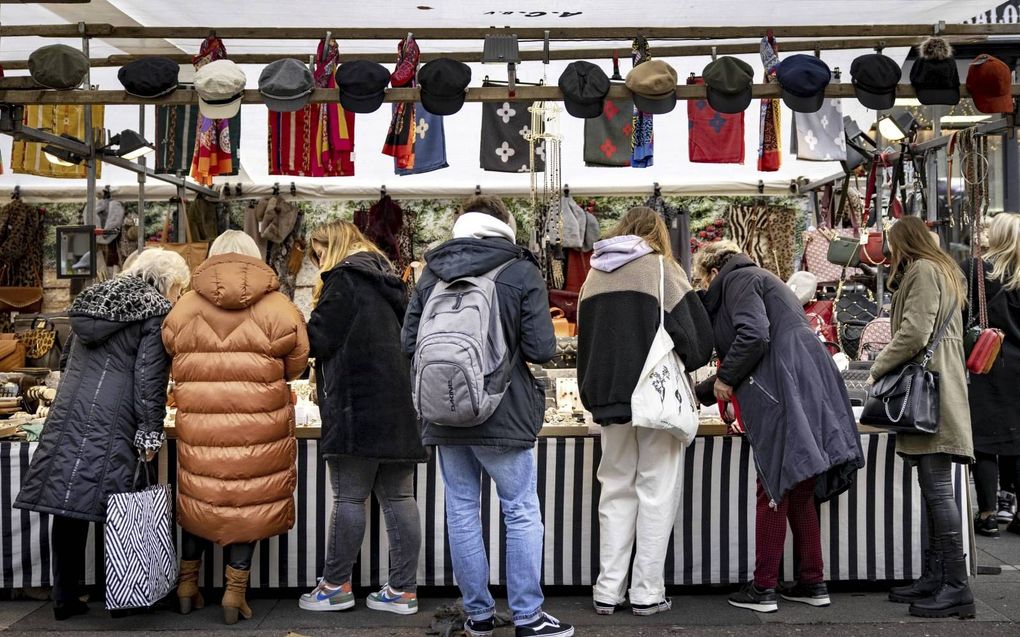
pixel 613 254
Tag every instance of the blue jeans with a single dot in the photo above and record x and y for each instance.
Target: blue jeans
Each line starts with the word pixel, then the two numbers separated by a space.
pixel 514 472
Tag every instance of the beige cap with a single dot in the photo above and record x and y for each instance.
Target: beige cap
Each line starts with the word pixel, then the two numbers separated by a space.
pixel 220 87
pixel 653 84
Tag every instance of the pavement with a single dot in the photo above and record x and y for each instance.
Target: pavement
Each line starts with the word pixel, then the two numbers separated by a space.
pixel 858 610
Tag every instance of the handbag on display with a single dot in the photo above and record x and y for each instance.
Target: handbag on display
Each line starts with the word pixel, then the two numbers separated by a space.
pixel 44 336
pixel 820 318
pixel 855 309
pixel 857 387
pixel 194 252
pixel 981 343
pixel 12 353
pixel 566 301
pixel 561 326
pixel 19 298
pixel 844 252
pixel 141 562
pixel 874 338
pixel 663 398
pixel 875 248
pixel 906 400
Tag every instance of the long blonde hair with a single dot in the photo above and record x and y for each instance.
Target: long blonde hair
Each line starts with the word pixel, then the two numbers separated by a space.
pixel 911 240
pixel 340 239
pixel 1004 249
pixel 644 222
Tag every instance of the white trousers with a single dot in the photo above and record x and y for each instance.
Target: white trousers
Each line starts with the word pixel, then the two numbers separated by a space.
pixel 640 477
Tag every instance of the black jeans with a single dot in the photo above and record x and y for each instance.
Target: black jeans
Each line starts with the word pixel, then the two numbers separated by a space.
pixel 67 545
pixel 237 556
pixel 934 473
pixel 990 472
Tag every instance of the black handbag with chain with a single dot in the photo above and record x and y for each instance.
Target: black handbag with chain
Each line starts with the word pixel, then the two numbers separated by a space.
pixel 855 308
pixel 906 400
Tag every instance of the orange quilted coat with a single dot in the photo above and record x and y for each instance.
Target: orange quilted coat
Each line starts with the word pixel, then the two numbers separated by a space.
pixel 235 341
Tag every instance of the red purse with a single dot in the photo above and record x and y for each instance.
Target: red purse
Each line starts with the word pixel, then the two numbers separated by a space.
pixel 873 248
pixel 981 356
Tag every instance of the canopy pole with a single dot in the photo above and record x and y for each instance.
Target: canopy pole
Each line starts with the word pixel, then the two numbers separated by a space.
pixel 90 141
pixel 879 183
pixel 141 182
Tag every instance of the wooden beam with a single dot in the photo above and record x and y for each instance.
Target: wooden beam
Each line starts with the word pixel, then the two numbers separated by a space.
pixel 481 94
pixel 696 50
pixel 524 33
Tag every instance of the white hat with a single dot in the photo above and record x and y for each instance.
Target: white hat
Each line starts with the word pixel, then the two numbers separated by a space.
pixel 220 87
pixel 804 285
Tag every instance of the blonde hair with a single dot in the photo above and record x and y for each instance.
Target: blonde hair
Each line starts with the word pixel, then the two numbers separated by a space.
pixel 713 256
pixel 911 240
pixel 644 222
pixel 235 242
pixel 162 269
pixel 1004 249
pixel 340 239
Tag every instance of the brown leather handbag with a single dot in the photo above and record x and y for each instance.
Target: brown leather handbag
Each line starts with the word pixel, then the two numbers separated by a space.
pixel 12 353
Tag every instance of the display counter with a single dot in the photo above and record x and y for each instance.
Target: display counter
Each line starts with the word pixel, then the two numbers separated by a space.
pixel 872 532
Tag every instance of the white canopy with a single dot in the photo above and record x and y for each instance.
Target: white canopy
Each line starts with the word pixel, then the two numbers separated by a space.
pixel 672 170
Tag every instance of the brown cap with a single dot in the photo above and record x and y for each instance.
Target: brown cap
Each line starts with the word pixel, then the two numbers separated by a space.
pixel 990 81
pixel 653 84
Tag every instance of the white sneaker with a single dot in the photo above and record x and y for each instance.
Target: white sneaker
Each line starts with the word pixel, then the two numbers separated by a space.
pixel 323 598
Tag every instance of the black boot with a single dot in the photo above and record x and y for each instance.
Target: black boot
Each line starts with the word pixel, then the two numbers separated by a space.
pixel 930 580
pixel 953 597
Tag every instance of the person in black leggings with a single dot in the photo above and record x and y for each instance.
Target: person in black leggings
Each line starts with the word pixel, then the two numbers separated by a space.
pixel 992 473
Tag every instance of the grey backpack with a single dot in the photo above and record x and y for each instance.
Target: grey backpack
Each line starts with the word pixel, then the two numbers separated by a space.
pixel 461 369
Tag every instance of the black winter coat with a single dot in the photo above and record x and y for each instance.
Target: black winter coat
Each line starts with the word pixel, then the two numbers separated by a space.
pixel 363 379
pixel 993 414
pixel 793 402
pixel 527 326
pixel 110 404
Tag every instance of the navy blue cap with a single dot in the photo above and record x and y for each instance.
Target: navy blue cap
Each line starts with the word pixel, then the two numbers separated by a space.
pixel 803 79
pixel 362 85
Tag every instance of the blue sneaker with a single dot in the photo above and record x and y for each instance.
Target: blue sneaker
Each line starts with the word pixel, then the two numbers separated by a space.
pixel 393 601
pixel 325 597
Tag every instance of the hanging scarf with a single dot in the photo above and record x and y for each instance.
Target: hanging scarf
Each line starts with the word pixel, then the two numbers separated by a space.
pixel 333 139
pixel 642 142
pixel 400 138
pixel 212 147
pixel 769 150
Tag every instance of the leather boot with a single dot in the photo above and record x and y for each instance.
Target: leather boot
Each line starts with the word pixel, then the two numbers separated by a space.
pixel 929 582
pixel 234 603
pixel 953 597
pixel 188 596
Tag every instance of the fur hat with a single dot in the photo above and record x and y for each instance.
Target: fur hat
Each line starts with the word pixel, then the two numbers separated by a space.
pixel 935 49
pixel 934 75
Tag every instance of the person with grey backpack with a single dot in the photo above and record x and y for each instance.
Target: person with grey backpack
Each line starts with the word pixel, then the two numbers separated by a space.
pixel 479 315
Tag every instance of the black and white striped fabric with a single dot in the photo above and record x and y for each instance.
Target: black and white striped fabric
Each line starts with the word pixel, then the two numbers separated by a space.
pixel 141 563
pixel 872 532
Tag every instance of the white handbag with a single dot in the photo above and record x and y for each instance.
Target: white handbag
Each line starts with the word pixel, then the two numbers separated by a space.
pixel 663 398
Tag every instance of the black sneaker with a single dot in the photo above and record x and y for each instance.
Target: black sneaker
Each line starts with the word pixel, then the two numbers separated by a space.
pixel 753 598
pixel 651 609
pixel 988 527
pixel 605 608
pixel 479 627
pixel 545 625
pixel 811 594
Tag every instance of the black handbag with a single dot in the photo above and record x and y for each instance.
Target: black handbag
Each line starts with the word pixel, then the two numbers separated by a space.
pixel 855 307
pixel 906 400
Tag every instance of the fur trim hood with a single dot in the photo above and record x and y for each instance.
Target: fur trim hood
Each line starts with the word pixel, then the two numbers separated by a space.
pixel 935 49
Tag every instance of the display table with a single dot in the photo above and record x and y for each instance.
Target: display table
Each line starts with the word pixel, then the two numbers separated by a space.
pixel 872 532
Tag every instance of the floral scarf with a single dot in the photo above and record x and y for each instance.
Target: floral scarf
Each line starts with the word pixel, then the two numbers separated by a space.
pixel 213 154
pixel 643 141
pixel 333 134
pixel 400 138
pixel 770 152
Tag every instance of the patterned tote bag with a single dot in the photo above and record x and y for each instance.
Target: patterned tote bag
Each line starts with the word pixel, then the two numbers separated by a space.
pixel 141 563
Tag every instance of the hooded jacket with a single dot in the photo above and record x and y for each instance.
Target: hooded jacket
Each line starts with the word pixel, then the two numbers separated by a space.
pixel 363 377
pixel 235 343
pixel 618 317
pixel 111 402
pixel 527 326
pixel 793 401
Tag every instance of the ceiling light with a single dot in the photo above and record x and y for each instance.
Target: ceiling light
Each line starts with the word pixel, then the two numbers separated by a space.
pixel 898 126
pixel 130 145
pixel 61 156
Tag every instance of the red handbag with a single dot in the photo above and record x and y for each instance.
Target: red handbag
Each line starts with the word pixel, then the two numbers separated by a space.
pixel 874 248
pixel 982 354
pixel 819 316
pixel 566 301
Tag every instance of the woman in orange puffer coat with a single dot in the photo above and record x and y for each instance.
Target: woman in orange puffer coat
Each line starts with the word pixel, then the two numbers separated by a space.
pixel 235 342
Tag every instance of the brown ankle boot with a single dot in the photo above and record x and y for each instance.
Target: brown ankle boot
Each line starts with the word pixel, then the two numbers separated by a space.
pixel 188 595
pixel 234 603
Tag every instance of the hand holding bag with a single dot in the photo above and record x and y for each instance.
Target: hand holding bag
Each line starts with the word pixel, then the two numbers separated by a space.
pixel 663 398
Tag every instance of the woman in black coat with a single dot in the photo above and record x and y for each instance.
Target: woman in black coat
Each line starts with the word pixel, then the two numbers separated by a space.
pixel 994 417
pixel 370 435
pixel 794 410
pixel 108 412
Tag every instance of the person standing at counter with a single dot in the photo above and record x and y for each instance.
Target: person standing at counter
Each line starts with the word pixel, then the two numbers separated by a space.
pixel 618 317
pixel 929 290
pixel 370 435
pixel 795 413
pixel 108 413
pixel 235 342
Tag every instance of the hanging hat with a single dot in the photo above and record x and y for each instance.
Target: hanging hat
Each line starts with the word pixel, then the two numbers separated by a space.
pixel 443 82
pixel 58 66
pixel 220 87
pixel 728 83
pixel 150 77
pixel 990 83
pixel 653 84
pixel 802 80
pixel 934 75
pixel 584 87
pixel 875 78
pixel 286 85
pixel 362 85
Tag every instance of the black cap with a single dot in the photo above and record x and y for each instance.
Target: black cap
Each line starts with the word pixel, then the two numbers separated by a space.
pixel 362 85
pixel 934 74
pixel 584 87
pixel 728 83
pixel 875 77
pixel 150 77
pixel 443 82
pixel 803 79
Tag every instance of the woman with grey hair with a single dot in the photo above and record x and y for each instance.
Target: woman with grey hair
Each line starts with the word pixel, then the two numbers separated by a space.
pixel 109 410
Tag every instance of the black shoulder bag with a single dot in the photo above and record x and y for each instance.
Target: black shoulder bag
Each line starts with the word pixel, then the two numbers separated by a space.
pixel 906 400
